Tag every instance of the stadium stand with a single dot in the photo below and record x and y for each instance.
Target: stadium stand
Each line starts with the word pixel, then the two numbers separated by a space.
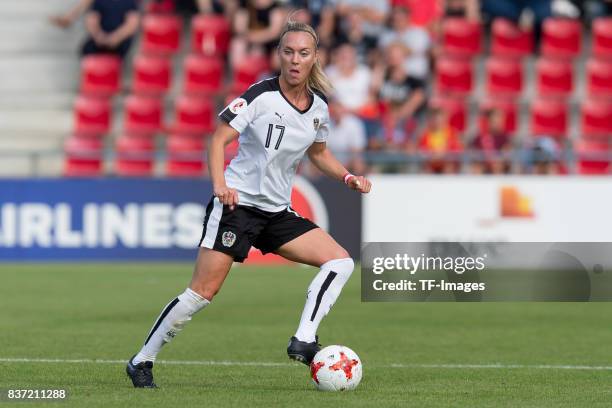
pixel 561 38
pixel 152 75
pixel 508 40
pixel 602 38
pixel 554 77
pixel 549 118
pixel 461 37
pixel 161 34
pixel 504 76
pixel 599 78
pixel 142 115
pixel 177 78
pixel 185 156
pixel 100 75
pixel 84 157
pixel 203 75
pixel 134 156
pixel 454 76
pixel 92 116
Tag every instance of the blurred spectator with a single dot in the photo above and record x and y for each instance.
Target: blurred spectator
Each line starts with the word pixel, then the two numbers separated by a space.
pixel 543 156
pixel 520 11
pixel 415 40
pixel 68 18
pixel 257 26
pixel 402 96
pixel 361 21
pixel 491 143
pixel 567 8
pixel 440 142
pixel 320 12
pixel 189 7
pixel 352 86
pixel 348 139
pixel 597 8
pixel 349 30
pixel 111 26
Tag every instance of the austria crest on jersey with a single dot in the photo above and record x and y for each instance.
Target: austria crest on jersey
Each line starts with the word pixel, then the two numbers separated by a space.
pixel 228 238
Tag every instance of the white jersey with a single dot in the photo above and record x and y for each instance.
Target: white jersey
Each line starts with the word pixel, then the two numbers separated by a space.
pixel 274 135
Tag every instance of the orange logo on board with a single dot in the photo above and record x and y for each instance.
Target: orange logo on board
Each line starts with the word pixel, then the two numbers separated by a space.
pixel 514 204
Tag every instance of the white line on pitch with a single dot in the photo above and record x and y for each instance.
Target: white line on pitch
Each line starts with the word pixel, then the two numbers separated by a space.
pixel 272 364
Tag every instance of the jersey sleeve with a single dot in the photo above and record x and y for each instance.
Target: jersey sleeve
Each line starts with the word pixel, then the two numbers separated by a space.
pixel 239 113
pixel 242 110
pixel 323 129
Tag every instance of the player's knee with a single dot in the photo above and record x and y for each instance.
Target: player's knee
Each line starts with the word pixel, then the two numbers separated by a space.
pixel 337 254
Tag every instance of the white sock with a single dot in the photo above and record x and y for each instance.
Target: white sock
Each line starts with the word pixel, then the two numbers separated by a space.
pixel 322 294
pixel 171 321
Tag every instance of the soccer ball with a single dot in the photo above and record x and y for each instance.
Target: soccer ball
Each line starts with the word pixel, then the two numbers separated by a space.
pixel 336 368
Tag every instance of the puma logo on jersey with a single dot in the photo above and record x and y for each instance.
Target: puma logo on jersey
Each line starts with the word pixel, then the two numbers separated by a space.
pixel 279 115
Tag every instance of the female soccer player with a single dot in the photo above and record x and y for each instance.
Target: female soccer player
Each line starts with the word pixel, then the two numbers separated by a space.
pixel 277 120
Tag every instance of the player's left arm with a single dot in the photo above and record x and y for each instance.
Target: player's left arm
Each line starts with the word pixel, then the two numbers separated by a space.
pixel 324 160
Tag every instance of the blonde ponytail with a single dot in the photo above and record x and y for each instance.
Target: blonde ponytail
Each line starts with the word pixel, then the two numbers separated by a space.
pixel 317 80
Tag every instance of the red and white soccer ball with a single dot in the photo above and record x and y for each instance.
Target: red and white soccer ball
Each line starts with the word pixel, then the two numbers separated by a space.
pixel 336 368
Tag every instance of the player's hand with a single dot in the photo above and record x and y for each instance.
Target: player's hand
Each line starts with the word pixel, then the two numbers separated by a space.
pixel 359 183
pixel 227 196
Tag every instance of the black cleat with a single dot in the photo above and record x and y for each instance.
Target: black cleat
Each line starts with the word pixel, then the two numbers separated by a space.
pixel 302 351
pixel 141 374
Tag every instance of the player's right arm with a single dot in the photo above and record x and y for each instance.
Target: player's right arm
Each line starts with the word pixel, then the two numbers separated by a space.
pixel 224 134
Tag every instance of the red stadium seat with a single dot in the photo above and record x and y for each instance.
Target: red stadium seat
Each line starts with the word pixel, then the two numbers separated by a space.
pixel 454 76
pixel 142 115
pixel 247 72
pixel 602 38
pixel 160 7
pixel 599 78
pixel 83 157
pixel 185 156
pixel 561 37
pixel 193 116
pixel 161 34
pixel 134 156
pixel 454 108
pixel 210 35
pixel 594 157
pixel 203 75
pixel 92 116
pixel 508 40
pixel 461 37
pixel 596 118
pixel 152 75
pixel 100 75
pixel 554 77
pixel 509 108
pixel 549 117
pixel 504 76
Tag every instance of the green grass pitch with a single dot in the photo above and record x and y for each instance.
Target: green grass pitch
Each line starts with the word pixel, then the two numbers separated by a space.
pixel 414 354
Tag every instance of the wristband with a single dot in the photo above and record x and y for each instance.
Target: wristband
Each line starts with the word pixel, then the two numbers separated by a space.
pixel 347 177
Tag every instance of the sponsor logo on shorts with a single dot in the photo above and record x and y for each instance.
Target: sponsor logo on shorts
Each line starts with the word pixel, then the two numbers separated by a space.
pixel 238 105
pixel 228 238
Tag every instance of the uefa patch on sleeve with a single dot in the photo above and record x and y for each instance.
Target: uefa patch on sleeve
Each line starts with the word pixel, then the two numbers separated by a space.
pixel 238 105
